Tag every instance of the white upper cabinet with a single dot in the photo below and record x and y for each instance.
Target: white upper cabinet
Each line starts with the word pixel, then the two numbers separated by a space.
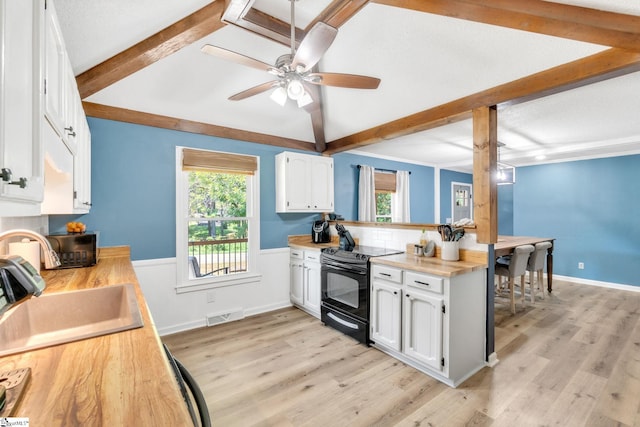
pixel 54 71
pixel 304 183
pixel 22 158
pixel 65 116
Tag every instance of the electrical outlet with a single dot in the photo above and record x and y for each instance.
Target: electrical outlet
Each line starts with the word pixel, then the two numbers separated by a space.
pixel 581 266
pixel 211 296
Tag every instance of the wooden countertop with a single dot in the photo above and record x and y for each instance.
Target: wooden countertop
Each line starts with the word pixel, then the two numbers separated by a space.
pixel 430 265
pixel 118 379
pixel 304 242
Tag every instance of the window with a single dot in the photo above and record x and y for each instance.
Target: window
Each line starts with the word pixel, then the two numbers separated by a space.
pixel 217 221
pixel 385 184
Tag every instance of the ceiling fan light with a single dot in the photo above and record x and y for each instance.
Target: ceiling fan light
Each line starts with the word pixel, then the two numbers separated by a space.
pixel 295 89
pixel 279 96
pixel 305 99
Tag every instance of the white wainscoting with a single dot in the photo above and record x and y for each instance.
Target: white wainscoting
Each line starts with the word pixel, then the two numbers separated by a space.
pixel 174 312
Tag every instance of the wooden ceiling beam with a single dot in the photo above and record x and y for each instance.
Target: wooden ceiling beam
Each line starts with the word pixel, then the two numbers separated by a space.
pixel 165 122
pixel 601 66
pixel 338 12
pixel 160 45
pixel 542 17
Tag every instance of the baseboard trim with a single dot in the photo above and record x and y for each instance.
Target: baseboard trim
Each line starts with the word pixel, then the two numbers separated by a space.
pixel 183 327
pixel 589 282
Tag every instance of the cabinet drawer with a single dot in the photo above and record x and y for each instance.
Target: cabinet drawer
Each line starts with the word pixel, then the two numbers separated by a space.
pixel 312 256
pixel 424 282
pixel 296 253
pixel 386 273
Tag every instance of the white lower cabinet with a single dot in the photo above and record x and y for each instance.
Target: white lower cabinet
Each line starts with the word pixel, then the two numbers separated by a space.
pixel 422 323
pixel 435 324
pixel 305 280
pixel 386 318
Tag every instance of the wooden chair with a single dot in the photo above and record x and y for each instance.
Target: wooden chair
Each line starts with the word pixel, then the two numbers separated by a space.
pixel 516 267
pixel 536 265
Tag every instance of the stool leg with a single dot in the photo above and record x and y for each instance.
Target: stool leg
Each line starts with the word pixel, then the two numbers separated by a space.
pixel 540 283
pixel 531 286
pixel 513 295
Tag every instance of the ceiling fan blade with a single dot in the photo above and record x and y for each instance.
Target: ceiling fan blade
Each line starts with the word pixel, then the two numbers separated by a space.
pixel 254 90
pixel 313 46
pixel 237 58
pixel 343 80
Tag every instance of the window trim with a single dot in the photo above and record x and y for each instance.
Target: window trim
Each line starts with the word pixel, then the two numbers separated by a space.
pixel 183 283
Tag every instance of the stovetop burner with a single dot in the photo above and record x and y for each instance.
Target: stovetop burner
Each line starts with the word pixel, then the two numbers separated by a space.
pixel 359 252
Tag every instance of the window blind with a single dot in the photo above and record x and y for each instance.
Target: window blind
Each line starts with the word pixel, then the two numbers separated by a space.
pixel 385 182
pixel 214 161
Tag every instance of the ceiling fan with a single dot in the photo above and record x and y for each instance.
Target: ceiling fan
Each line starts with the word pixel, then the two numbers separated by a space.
pixel 293 71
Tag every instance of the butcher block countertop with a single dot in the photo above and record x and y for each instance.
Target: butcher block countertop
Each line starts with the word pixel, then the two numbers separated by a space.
pixel 122 379
pixel 429 265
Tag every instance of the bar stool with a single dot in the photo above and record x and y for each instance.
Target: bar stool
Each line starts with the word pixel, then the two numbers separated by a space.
pixel 535 265
pixel 516 267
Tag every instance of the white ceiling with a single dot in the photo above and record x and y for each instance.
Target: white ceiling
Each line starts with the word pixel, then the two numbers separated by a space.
pixel 423 61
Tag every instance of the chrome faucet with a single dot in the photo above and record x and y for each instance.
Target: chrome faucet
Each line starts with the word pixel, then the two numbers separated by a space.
pixel 51 259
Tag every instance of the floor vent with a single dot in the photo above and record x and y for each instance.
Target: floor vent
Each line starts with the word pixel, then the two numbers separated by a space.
pixel 216 319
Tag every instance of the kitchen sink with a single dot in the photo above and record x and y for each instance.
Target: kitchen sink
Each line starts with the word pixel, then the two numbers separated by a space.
pixel 64 317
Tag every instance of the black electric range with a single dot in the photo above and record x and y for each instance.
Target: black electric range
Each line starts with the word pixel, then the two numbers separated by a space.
pixel 345 288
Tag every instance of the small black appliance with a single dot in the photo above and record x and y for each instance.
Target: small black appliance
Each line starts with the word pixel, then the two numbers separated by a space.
pixel 320 232
pixel 346 241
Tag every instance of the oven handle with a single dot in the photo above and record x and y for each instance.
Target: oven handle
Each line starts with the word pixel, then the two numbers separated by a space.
pixel 347 270
pixel 342 322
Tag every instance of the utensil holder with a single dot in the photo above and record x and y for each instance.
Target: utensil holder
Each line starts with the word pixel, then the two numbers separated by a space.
pixel 450 251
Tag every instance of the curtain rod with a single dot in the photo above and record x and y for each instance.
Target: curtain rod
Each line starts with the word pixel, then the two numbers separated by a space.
pixel 384 170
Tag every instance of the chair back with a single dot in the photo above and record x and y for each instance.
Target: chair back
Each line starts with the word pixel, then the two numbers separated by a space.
pixel 519 260
pixel 536 260
pixel 194 267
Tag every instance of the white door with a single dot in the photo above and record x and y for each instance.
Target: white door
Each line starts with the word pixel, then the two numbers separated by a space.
pixel 312 286
pixel 385 314
pixel 297 281
pixel 297 182
pixel 322 183
pixel 461 201
pixel 423 328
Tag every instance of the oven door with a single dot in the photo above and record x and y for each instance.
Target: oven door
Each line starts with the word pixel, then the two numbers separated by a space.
pixel 346 287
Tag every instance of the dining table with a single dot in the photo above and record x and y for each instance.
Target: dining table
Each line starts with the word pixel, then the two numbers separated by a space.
pixel 506 245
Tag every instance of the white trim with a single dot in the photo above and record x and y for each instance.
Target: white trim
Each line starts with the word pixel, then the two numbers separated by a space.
pixel 493 360
pixel 590 282
pixel 195 285
pixel 436 194
pixel 392 158
pixel 153 262
pixel 183 284
pixel 174 329
pixel 453 198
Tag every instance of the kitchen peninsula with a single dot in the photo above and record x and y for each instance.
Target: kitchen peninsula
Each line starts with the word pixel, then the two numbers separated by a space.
pixel 118 379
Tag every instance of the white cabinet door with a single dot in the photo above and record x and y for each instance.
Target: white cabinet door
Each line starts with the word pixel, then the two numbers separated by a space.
pixel 297 281
pixel 423 328
pixel 304 183
pixel 22 163
pixel 322 184
pixel 55 74
pixel 386 314
pixel 82 170
pixel 312 286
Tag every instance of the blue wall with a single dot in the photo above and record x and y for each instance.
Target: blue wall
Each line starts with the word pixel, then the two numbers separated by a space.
pixel 505 209
pixel 446 178
pixel 133 188
pixel 421 185
pixel 592 208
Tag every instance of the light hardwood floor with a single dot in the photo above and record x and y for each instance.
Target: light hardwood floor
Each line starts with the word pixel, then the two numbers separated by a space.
pixel 570 360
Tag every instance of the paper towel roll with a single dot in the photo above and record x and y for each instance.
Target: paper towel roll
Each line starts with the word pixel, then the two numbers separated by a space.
pixel 27 249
